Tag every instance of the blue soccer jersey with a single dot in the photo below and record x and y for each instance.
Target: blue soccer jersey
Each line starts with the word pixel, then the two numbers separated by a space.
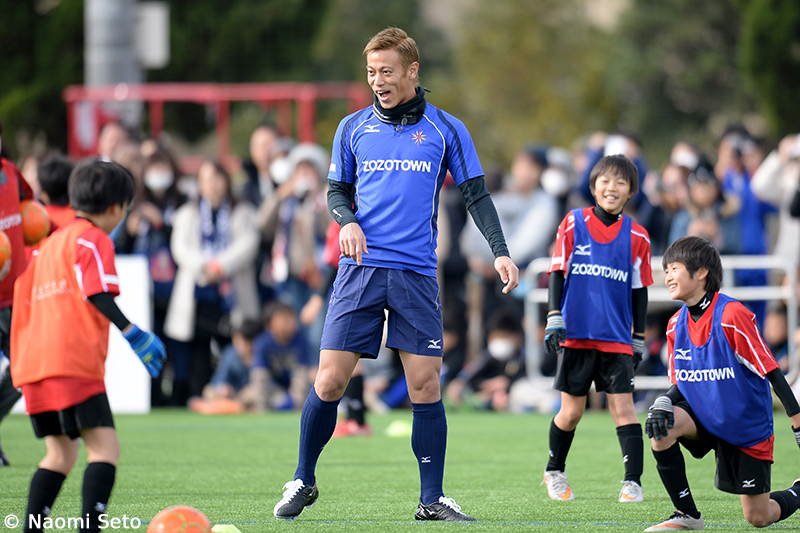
pixel 398 172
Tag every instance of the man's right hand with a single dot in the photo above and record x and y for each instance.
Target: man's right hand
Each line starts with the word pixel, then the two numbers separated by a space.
pixel 555 332
pixel 352 242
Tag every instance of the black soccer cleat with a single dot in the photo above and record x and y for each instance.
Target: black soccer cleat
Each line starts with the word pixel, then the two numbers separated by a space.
pixel 296 497
pixel 444 509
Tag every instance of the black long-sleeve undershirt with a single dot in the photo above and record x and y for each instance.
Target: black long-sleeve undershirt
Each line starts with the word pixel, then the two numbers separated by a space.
pixel 104 302
pixel 483 212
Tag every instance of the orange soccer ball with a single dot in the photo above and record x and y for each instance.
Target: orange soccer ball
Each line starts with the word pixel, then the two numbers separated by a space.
pixel 35 221
pixel 5 248
pixel 179 519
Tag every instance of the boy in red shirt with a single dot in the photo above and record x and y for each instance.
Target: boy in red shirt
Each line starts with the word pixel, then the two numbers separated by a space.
pixel 599 274
pixel 721 370
pixel 59 342
pixel 13 188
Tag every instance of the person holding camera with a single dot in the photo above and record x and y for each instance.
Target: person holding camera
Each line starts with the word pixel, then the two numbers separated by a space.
pixel 776 181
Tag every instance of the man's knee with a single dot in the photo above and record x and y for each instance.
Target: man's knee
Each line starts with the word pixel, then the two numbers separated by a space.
pixel 330 385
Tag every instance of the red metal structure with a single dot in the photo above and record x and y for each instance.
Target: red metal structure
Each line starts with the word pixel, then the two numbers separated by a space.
pixel 85 113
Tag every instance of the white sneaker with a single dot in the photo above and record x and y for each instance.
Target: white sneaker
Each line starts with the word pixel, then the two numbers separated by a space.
pixel 678 522
pixel 631 492
pixel 557 485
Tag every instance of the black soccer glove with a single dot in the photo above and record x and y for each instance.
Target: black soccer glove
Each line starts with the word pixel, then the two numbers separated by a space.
pixel 660 418
pixel 796 435
pixel 555 331
pixel 638 350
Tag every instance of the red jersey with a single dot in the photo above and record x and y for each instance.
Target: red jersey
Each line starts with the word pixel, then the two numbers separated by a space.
pixel 641 273
pixel 739 326
pixel 13 187
pixel 57 336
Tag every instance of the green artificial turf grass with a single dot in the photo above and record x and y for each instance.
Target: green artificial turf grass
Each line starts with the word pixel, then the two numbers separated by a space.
pixel 233 469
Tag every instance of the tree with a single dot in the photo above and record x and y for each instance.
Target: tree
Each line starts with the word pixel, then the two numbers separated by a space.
pixel 42 47
pixel 675 72
pixel 770 59
pixel 527 71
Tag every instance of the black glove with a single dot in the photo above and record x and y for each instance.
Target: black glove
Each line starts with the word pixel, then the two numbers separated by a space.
pixel 660 418
pixel 638 349
pixel 555 331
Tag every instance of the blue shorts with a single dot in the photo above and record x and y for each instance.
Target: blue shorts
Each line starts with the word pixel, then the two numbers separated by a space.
pixel 354 322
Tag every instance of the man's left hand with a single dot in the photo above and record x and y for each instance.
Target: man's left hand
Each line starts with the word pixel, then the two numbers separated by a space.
pixel 509 273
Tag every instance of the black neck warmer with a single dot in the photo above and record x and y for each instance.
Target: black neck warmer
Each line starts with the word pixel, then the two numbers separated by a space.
pixel 406 113
pixel 606 217
pixel 697 310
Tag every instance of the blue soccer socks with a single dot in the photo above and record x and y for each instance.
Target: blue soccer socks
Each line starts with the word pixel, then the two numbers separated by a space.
pixel 317 423
pixel 429 442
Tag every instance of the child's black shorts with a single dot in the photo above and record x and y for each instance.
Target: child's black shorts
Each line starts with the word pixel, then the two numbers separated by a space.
pixel 737 472
pixel 92 413
pixel 610 372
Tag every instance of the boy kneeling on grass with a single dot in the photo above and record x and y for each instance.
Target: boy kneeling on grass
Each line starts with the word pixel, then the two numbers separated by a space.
pixel 719 399
pixel 64 302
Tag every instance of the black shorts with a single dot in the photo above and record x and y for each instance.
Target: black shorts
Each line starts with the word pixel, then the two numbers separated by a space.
pixel 92 413
pixel 577 369
pixel 737 472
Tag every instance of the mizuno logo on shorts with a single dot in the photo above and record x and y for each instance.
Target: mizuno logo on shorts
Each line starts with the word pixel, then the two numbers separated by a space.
pixel 436 344
pixel 405 165
pixel 748 483
pixel 600 271
pixel 706 374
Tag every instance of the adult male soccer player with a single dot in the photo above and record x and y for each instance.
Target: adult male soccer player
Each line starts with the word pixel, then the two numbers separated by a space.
pixel 389 162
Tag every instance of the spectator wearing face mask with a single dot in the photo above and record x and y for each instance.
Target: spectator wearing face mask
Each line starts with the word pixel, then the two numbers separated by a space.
pixel 486 381
pixel 295 219
pixel 147 231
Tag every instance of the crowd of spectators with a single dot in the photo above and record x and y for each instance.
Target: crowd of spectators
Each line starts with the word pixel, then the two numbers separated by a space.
pixel 237 256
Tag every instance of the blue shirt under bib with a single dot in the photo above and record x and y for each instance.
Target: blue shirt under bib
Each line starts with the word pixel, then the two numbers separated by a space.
pixel 596 302
pixel 732 402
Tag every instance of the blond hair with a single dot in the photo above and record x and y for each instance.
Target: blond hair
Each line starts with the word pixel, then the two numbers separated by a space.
pixel 395 39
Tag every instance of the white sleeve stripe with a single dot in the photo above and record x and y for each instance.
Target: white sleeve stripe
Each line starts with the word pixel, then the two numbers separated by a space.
pixel 642 235
pixel 636 279
pixel 752 349
pixel 79 279
pixel 111 280
pixel 101 271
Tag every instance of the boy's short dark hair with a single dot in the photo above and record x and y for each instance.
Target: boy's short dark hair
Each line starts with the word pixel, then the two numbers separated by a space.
pixel 53 175
pixel 274 307
pixel 696 253
pixel 502 320
pixel 96 185
pixel 616 165
pixel 249 329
